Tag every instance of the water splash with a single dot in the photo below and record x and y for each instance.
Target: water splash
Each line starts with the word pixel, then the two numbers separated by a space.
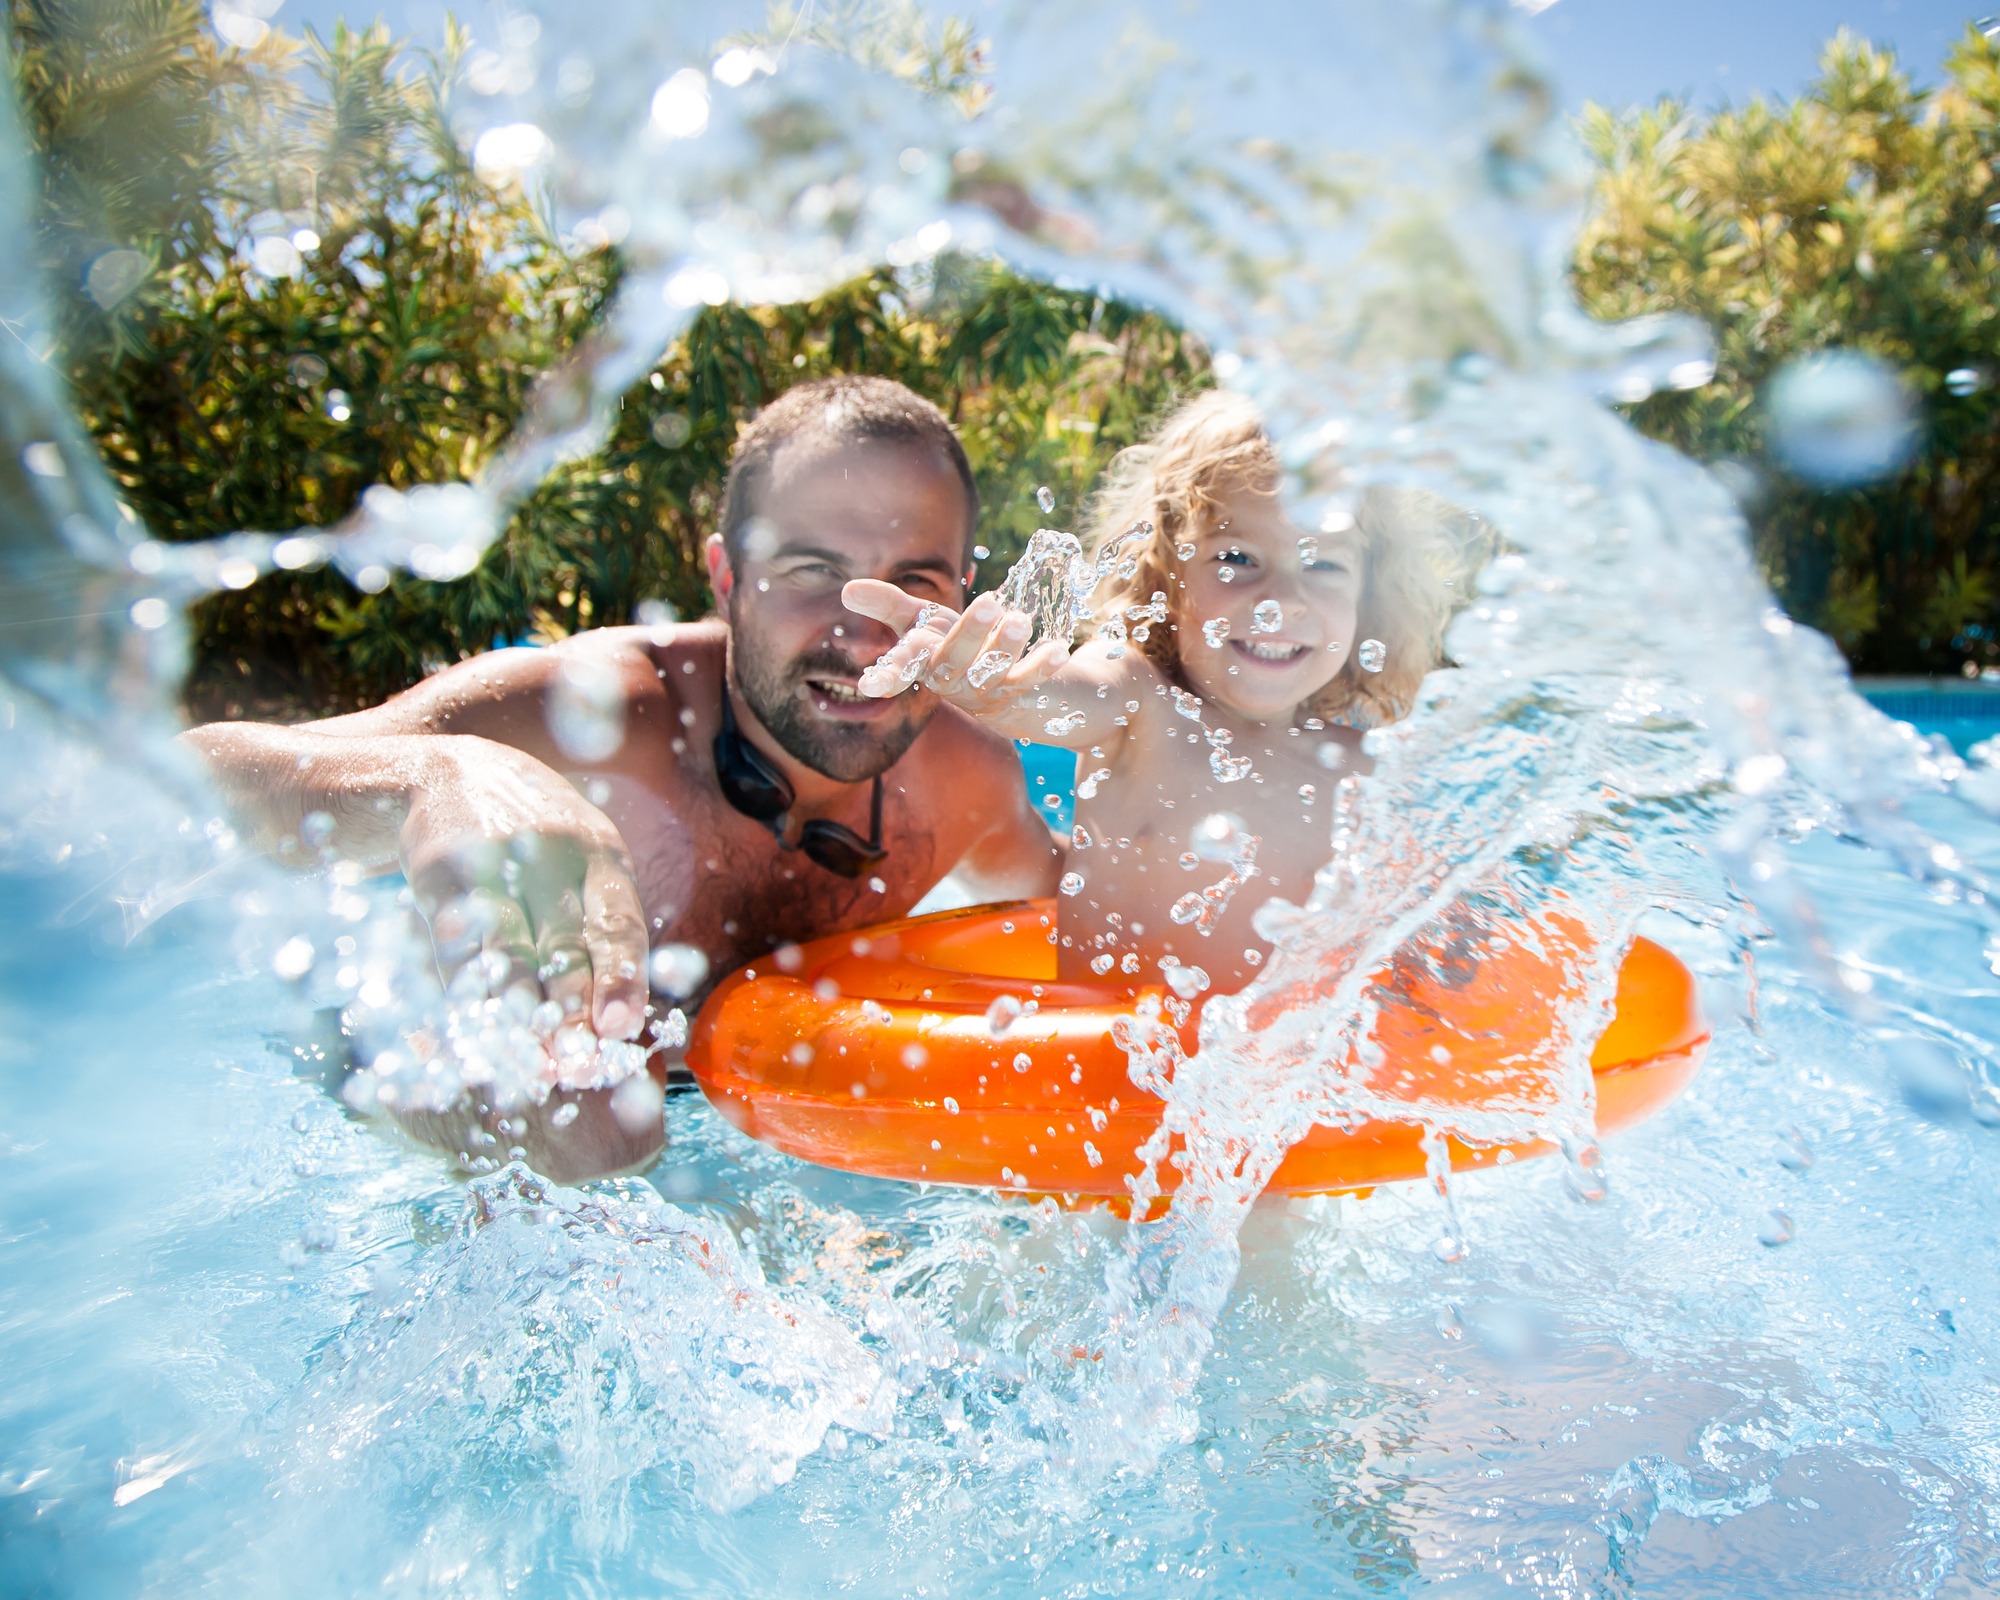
pixel 550 1306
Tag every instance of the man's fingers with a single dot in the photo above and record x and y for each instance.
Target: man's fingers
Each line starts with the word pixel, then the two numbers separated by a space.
pixel 564 956
pixel 614 931
pixel 506 944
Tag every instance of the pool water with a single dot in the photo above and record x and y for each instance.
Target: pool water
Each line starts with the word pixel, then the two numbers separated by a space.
pixel 255 1345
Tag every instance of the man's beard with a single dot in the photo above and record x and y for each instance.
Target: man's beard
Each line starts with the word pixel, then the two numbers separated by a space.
pixel 844 752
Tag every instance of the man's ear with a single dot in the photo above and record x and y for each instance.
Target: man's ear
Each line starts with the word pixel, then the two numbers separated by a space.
pixel 721 577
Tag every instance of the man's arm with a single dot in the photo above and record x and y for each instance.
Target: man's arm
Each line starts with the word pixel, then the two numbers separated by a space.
pixel 505 857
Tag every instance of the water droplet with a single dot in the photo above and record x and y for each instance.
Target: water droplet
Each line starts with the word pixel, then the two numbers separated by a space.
pixel 1188 705
pixel 1091 1155
pixel 950 1106
pixel 1045 497
pixel 1001 1015
pixel 114 275
pixel 339 405
pixel 1267 616
pixel 1215 631
pixel 1218 836
pixel 1308 550
pixel 1841 418
pixel 1448 1247
pixel 1776 1229
pixel 1187 982
pixel 1225 574
pixel 586 711
pixel 1184 551
pixel 1373 655
pixel 1072 883
pixel 1584 1174
pixel 914 1055
pixel 987 668
pixel 1100 965
pixel 677 969
pixel 1756 774
pixel 1963 381
pixel 1069 722
pixel 294 958
pixel 1023 1061
pixel 1187 909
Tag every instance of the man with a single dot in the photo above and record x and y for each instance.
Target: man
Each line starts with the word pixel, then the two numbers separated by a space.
pixel 721 784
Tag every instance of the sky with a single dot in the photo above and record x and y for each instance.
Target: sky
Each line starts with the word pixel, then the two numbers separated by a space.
pixel 1619 52
pixel 1624 52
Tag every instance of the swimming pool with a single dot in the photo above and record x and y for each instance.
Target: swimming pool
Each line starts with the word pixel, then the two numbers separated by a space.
pixel 251 1343
pixel 1965 714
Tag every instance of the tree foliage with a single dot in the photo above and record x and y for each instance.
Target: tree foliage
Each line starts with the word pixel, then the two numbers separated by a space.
pixel 1863 215
pixel 332 298
pixel 291 285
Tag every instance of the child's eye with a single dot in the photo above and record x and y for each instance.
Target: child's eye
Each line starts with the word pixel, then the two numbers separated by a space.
pixel 1331 564
pixel 1233 557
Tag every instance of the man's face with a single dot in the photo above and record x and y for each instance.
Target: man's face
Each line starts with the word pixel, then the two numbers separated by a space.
pixel 893 512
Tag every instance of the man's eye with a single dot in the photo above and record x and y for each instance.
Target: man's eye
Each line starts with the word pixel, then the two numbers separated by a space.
pixel 1340 567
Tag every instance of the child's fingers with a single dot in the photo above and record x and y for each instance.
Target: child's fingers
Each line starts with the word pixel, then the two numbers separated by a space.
pixel 881 602
pixel 900 665
pixel 1036 666
pixel 984 627
pixel 905 661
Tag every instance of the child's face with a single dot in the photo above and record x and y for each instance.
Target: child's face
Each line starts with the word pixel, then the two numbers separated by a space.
pixel 1290 601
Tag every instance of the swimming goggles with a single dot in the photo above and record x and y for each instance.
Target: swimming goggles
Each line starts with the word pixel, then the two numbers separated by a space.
pixel 761 792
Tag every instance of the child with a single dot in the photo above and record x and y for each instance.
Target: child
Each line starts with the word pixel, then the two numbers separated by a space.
pixel 1234 660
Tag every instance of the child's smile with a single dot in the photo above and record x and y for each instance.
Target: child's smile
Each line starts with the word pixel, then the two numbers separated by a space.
pixel 1266 614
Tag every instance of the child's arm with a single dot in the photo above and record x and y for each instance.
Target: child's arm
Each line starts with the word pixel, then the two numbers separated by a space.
pixel 972 660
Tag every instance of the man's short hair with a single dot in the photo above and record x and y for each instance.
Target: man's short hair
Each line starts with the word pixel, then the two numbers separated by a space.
pixel 846 409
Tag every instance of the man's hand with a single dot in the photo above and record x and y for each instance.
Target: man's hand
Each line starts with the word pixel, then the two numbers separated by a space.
pixel 513 868
pixel 970 659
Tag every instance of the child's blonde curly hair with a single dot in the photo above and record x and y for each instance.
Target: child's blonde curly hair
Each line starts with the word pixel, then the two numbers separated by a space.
pixel 1415 547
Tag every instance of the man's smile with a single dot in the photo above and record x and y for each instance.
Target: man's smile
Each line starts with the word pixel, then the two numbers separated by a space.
pixel 839 697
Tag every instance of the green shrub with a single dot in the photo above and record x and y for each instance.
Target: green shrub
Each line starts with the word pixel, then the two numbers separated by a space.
pixel 1863 215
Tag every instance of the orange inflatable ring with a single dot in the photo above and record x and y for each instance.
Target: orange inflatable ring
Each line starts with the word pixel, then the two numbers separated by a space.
pixel 873 1053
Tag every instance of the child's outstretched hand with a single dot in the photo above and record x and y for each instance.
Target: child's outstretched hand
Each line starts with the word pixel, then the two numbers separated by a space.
pixel 971 658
